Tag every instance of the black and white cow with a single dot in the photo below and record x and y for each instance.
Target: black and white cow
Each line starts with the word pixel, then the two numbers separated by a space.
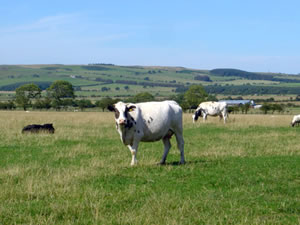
pixel 37 128
pixel 149 122
pixel 296 120
pixel 211 109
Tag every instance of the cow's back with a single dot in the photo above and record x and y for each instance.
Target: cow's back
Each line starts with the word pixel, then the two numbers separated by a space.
pixel 296 118
pixel 157 118
pixel 213 108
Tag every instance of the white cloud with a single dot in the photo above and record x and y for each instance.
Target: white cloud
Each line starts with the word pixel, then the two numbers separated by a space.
pixel 45 23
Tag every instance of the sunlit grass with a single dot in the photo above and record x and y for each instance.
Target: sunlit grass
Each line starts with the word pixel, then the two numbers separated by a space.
pixel 242 172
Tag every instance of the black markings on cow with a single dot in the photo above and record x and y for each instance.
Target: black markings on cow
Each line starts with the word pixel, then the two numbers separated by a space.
pixel 129 109
pixel 169 134
pixel 132 120
pixel 150 120
pixel 128 125
pixel 197 114
pixel 117 113
pixel 126 112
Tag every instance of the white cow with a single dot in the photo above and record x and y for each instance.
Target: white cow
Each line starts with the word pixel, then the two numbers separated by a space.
pixel 296 120
pixel 212 109
pixel 149 122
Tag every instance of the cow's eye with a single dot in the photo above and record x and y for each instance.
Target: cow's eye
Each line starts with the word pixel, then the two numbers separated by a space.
pixel 117 113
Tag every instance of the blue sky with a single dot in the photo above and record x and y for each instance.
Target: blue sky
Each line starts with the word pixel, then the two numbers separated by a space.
pixel 252 35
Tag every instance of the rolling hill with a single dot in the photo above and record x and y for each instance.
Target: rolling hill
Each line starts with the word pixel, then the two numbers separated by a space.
pixel 98 80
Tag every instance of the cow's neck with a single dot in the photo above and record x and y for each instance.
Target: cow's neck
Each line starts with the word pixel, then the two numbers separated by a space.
pixel 126 132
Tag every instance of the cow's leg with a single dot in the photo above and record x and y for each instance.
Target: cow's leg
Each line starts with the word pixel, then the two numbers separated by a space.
pixel 225 118
pixel 180 145
pixel 224 115
pixel 167 145
pixel 133 149
pixel 221 117
pixel 204 117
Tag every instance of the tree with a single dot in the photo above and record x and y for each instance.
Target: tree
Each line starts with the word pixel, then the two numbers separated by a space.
pixel 104 103
pixel 42 103
pixel 105 89
pixel 143 97
pixel 25 93
pixel 280 108
pixel 195 95
pixel 84 103
pixel 58 90
pixel 276 107
pixel 212 98
pixel 265 108
pixel 7 105
pixel 245 108
pixel 179 98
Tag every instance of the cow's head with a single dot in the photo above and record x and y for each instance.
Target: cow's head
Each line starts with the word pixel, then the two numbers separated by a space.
pixel 121 110
pixel 197 114
pixel 48 125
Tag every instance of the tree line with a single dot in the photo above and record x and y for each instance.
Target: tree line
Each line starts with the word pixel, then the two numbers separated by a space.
pixel 61 96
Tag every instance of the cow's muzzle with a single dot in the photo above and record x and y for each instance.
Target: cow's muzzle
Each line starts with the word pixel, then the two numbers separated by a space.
pixel 122 122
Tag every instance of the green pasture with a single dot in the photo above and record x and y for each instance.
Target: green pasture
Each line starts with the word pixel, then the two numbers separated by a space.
pixel 243 172
pixel 90 79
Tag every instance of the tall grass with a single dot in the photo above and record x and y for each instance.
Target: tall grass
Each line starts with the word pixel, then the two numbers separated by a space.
pixel 243 172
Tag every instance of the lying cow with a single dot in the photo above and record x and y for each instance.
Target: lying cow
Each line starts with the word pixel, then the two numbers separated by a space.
pixel 37 128
pixel 149 122
pixel 211 109
pixel 296 120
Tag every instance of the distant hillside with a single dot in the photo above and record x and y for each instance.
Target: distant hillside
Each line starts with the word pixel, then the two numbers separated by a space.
pixel 240 73
pixel 249 75
pixel 99 80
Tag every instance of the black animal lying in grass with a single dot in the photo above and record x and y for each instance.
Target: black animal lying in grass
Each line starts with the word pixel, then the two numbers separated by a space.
pixel 37 128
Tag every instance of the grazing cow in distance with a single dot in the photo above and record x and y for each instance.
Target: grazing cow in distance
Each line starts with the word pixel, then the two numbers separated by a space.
pixel 296 120
pixel 37 128
pixel 149 122
pixel 211 109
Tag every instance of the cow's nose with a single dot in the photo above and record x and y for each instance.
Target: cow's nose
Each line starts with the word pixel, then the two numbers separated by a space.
pixel 122 122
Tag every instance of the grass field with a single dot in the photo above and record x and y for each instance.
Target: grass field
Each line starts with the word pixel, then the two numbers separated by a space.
pixel 244 172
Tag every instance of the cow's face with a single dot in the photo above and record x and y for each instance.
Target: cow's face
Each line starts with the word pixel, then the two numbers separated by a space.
pixel 196 115
pixel 121 112
pixel 48 125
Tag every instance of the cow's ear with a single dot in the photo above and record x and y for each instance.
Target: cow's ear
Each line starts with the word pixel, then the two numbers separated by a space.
pixel 111 108
pixel 131 108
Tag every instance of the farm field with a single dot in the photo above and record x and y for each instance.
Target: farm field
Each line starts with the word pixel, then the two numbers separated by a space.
pixel 100 80
pixel 242 172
